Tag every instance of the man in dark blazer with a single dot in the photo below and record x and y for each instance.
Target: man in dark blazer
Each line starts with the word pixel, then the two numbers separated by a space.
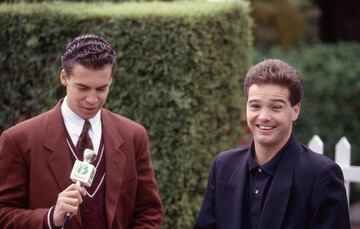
pixel 37 155
pixel 276 182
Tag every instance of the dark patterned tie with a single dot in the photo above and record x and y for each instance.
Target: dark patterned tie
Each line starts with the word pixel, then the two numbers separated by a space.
pixel 84 141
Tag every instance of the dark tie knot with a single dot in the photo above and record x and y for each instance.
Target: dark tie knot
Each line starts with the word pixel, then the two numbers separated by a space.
pixel 84 141
pixel 87 126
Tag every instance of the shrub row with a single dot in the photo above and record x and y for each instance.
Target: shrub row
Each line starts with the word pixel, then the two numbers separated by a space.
pixel 179 74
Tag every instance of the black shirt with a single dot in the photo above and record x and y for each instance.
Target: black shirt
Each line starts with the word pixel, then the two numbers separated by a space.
pixel 259 182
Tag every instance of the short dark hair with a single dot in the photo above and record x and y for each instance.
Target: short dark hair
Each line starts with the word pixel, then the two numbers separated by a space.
pixel 89 50
pixel 275 71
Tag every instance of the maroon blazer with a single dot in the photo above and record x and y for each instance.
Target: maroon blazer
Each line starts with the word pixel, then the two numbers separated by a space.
pixel 35 166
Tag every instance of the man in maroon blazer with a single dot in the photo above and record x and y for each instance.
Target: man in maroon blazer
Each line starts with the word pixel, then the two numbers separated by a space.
pixel 37 155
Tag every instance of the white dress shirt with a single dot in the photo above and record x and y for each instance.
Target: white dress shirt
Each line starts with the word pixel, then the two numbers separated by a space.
pixel 74 124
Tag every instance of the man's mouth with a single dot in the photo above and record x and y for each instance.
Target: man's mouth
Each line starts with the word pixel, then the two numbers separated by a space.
pixel 263 127
pixel 90 108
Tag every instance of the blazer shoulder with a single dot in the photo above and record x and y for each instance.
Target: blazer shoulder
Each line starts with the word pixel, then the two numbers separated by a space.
pixel 233 153
pixel 121 122
pixel 312 159
pixel 232 157
pixel 34 124
pixel 310 164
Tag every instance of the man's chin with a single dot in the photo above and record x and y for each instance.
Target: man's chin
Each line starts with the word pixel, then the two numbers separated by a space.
pixel 88 114
pixel 266 141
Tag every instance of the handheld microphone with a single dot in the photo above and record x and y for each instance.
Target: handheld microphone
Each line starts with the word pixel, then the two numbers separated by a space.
pixel 82 174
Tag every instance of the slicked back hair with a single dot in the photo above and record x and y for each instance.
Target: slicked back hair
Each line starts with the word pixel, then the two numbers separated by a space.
pixel 275 71
pixel 89 50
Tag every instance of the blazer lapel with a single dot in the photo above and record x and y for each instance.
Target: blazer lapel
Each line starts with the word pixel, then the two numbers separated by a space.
pixel 276 201
pixel 60 161
pixel 233 195
pixel 114 163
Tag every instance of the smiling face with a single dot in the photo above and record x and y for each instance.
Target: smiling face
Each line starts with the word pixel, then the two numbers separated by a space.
pixel 270 116
pixel 86 89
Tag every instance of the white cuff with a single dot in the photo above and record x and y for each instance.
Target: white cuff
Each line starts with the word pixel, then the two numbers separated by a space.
pixel 48 217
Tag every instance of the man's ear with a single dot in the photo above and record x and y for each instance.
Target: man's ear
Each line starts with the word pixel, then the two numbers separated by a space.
pixel 63 77
pixel 296 111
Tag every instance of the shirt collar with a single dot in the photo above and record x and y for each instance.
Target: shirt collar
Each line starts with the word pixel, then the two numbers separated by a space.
pixel 75 120
pixel 270 166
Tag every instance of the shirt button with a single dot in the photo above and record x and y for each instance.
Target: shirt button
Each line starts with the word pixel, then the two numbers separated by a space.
pixel 257 191
pixel 259 170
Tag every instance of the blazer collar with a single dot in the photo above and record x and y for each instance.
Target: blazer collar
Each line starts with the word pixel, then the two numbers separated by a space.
pixel 234 193
pixel 114 161
pixel 60 161
pixel 55 141
pixel 278 195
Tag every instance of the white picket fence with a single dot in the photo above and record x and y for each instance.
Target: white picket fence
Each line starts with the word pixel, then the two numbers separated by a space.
pixel 342 158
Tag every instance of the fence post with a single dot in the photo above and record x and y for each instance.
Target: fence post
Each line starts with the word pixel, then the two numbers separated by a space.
pixel 343 158
pixel 316 144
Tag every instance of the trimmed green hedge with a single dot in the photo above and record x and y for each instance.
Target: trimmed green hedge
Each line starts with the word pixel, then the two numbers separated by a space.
pixel 179 74
pixel 331 105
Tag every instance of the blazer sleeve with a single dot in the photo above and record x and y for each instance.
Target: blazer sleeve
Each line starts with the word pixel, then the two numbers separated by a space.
pixel 207 218
pixel 148 207
pixel 13 189
pixel 329 203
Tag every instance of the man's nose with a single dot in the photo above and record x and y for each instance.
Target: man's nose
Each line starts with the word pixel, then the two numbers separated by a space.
pixel 264 114
pixel 92 97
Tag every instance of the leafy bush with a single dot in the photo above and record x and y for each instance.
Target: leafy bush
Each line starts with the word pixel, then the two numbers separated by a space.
pixel 179 74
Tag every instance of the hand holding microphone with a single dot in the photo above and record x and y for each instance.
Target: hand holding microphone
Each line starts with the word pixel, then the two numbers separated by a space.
pixel 68 201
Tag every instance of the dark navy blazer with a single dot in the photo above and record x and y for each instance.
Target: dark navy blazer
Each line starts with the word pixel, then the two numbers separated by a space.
pixel 307 192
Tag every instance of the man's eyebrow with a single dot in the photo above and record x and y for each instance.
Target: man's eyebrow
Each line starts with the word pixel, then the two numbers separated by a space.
pixel 278 101
pixel 253 101
pixel 102 86
pixel 272 100
pixel 81 85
